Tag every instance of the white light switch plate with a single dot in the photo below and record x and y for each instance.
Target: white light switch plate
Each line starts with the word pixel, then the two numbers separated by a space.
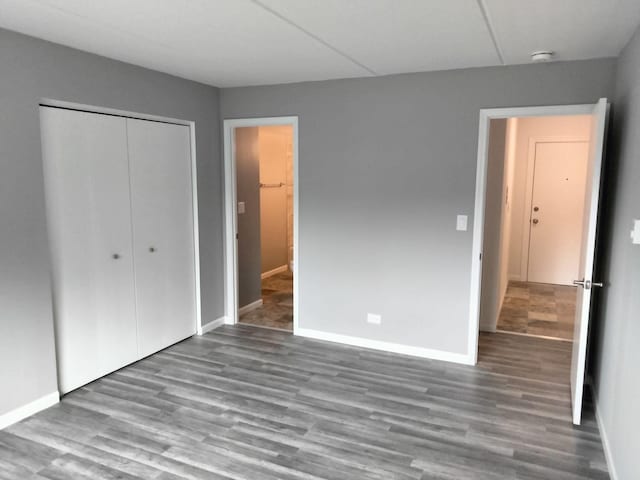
pixel 240 207
pixel 635 233
pixel 373 318
pixel 461 223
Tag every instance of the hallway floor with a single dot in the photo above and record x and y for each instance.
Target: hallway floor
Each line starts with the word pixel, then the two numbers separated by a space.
pixel 277 304
pixel 250 403
pixel 539 309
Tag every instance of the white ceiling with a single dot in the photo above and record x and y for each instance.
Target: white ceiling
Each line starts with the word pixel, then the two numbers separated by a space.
pixel 250 42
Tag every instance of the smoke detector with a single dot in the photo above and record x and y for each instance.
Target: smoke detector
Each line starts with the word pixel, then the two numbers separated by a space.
pixel 541 56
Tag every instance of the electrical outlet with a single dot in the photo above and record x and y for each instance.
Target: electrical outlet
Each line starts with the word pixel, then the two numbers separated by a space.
pixel 374 319
pixel 241 208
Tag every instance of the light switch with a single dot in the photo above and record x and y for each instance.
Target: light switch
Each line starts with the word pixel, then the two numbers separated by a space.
pixel 461 223
pixel 635 233
pixel 240 208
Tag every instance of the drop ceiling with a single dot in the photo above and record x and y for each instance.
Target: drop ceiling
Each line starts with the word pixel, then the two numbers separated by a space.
pixel 230 43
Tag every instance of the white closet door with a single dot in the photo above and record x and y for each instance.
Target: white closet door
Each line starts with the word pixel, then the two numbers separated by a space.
pixel 89 221
pixel 162 210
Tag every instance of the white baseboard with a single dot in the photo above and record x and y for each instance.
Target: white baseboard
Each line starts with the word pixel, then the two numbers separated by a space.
pixel 603 435
pixel 385 346
pixel 249 307
pixel 275 271
pixel 212 325
pixel 29 409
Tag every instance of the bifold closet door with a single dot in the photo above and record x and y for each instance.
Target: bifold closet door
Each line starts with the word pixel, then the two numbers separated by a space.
pixel 162 212
pixel 89 222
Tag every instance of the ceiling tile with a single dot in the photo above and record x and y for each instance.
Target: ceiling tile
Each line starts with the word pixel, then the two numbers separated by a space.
pixel 573 29
pixel 391 36
pixel 220 42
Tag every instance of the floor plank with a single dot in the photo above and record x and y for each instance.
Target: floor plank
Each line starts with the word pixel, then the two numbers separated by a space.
pixel 247 403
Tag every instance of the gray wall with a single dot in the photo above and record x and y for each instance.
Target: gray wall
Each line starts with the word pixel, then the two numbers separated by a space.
pixel 386 164
pixel 248 191
pixel 33 69
pixel 491 293
pixel 617 330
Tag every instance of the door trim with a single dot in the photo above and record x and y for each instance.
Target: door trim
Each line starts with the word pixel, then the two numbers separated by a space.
pixel 230 214
pixel 528 193
pixel 486 115
pixel 49 102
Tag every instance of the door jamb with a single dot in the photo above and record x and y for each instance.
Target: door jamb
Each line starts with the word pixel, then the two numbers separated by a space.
pixel 486 115
pixel 230 214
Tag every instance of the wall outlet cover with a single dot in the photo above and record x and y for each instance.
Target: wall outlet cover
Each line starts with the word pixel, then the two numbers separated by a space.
pixel 241 208
pixel 635 233
pixel 461 223
pixel 374 319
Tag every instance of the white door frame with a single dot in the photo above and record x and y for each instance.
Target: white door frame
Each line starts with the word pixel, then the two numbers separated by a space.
pixel 230 214
pixel 528 195
pixel 49 102
pixel 486 115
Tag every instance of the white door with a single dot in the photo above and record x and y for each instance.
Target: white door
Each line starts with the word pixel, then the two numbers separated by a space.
pixel 162 211
pixel 587 254
pixel 88 212
pixel 557 209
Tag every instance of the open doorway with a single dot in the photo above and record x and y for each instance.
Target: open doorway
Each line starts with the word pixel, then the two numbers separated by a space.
pixel 536 182
pixel 538 280
pixel 261 208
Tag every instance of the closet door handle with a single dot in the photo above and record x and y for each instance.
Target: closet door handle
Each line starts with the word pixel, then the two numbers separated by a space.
pixel 152 249
pixel 116 256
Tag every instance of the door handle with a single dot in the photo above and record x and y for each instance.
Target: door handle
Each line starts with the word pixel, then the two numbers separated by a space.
pixel 587 284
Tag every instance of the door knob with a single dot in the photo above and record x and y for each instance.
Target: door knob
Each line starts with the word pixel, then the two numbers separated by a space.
pixel 535 221
pixel 535 209
pixel 587 284
pixel 152 249
pixel 116 256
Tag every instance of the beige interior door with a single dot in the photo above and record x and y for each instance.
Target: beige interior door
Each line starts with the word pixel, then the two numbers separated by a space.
pixel 587 255
pixel 557 209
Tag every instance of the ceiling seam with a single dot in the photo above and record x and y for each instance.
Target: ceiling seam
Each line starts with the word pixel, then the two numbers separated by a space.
pixel 494 38
pixel 315 37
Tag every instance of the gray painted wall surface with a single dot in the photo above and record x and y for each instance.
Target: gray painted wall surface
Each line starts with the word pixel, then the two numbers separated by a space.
pixel 248 191
pixel 491 294
pixel 386 164
pixel 617 329
pixel 33 69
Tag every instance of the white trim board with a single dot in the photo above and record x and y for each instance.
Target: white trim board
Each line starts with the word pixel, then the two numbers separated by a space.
pixel 231 215
pixel 486 115
pixel 212 325
pixel 275 271
pixel 249 306
pixel 386 346
pixel 29 409
pixel 608 455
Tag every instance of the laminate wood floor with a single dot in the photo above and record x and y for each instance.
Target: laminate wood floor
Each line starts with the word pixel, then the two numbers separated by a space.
pixel 249 403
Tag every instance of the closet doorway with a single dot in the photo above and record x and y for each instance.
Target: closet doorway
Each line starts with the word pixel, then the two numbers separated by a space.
pixel 261 159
